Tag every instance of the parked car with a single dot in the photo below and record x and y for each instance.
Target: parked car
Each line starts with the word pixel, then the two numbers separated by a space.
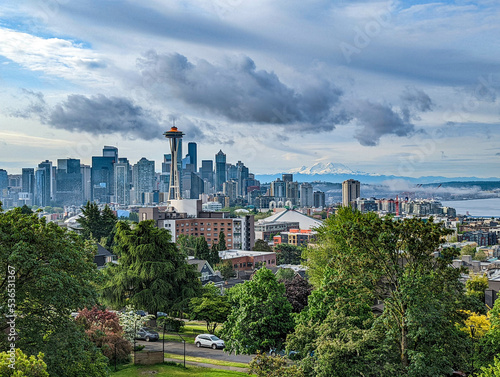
pixel 147 334
pixel 142 313
pixel 291 354
pixel 161 314
pixel 208 340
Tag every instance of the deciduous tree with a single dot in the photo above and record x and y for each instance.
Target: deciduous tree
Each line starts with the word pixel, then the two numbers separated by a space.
pixel 261 245
pixel 212 307
pixel 297 291
pixel 54 275
pixel 361 258
pixel 104 330
pixel 261 315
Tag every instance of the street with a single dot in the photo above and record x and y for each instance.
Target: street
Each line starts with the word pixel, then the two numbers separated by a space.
pixel 191 350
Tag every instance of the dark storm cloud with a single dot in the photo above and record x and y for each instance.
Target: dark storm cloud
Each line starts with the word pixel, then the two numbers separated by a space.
pixel 36 104
pixel 377 120
pixel 101 115
pixel 414 101
pixel 240 92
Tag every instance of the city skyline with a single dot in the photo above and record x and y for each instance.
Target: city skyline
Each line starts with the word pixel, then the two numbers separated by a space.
pixel 383 87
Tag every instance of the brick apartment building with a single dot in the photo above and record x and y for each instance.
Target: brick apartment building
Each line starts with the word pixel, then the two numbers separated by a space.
pixel 243 260
pixel 239 232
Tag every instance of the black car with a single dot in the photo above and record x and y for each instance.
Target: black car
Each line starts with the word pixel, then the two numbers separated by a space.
pixel 147 334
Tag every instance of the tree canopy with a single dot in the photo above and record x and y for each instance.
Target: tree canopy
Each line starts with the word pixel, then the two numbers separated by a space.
pixel 54 274
pixel 152 274
pixel 212 307
pixel 97 224
pixel 261 315
pixel 361 258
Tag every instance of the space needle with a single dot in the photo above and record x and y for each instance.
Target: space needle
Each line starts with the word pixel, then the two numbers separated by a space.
pixel 175 136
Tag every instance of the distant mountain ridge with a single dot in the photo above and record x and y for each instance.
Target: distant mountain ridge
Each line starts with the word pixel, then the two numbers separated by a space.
pixel 324 169
pixel 337 173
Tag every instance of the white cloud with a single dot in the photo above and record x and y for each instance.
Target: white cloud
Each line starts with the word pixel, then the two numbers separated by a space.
pixel 53 56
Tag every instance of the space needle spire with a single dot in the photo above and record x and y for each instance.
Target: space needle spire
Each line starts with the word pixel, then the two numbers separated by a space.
pixel 175 137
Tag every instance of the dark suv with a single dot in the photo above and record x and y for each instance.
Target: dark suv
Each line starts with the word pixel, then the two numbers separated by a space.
pixel 147 334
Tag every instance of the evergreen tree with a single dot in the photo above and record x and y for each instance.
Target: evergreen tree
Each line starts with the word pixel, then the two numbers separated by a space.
pixel 152 274
pixel 214 258
pixel 96 224
pixel 222 241
pixel 202 250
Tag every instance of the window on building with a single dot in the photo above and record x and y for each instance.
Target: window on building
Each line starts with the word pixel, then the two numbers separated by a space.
pixel 236 265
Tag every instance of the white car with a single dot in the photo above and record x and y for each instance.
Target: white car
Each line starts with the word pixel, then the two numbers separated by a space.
pixel 208 340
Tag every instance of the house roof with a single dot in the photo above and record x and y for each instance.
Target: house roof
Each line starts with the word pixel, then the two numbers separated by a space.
pixel 101 251
pixel 198 262
pixel 305 222
pixel 229 254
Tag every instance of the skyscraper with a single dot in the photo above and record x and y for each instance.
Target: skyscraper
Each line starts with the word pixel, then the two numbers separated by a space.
pixel 86 172
pixel 350 191
pixel 102 174
pixel 319 199
pixel 143 178
pixel 122 181
pixel 28 181
pixel 43 183
pixel 68 182
pixel 193 156
pixel 220 170
pixel 306 195
pixel 207 171
pixel 243 173
pixel 4 182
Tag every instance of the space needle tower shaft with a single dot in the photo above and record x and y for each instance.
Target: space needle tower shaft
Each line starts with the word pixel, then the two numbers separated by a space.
pixel 175 137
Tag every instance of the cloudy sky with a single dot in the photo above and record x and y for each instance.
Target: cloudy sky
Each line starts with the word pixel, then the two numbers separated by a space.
pixel 392 87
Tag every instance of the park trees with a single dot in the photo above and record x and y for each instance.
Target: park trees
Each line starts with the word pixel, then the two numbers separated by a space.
pixel 51 272
pixel 288 254
pixel 23 366
pixel 212 307
pixel 261 315
pixel 97 224
pixel 361 258
pixel 261 245
pixel 297 291
pixel 152 274
pixel 104 330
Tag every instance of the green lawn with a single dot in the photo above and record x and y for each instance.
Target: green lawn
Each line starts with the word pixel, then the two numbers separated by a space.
pixel 207 361
pixel 173 371
pixel 190 331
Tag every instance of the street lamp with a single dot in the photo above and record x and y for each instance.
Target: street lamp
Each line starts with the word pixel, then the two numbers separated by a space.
pixel 472 333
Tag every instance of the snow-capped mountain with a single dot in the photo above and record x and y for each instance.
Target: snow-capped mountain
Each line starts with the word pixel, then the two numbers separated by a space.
pixel 323 169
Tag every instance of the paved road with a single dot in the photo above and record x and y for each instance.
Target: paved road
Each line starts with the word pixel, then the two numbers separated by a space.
pixel 177 348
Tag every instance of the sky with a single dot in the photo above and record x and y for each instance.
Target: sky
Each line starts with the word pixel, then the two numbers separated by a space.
pixel 407 88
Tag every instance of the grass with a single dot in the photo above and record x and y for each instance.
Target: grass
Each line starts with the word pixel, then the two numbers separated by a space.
pixel 207 361
pixel 169 370
pixel 190 331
